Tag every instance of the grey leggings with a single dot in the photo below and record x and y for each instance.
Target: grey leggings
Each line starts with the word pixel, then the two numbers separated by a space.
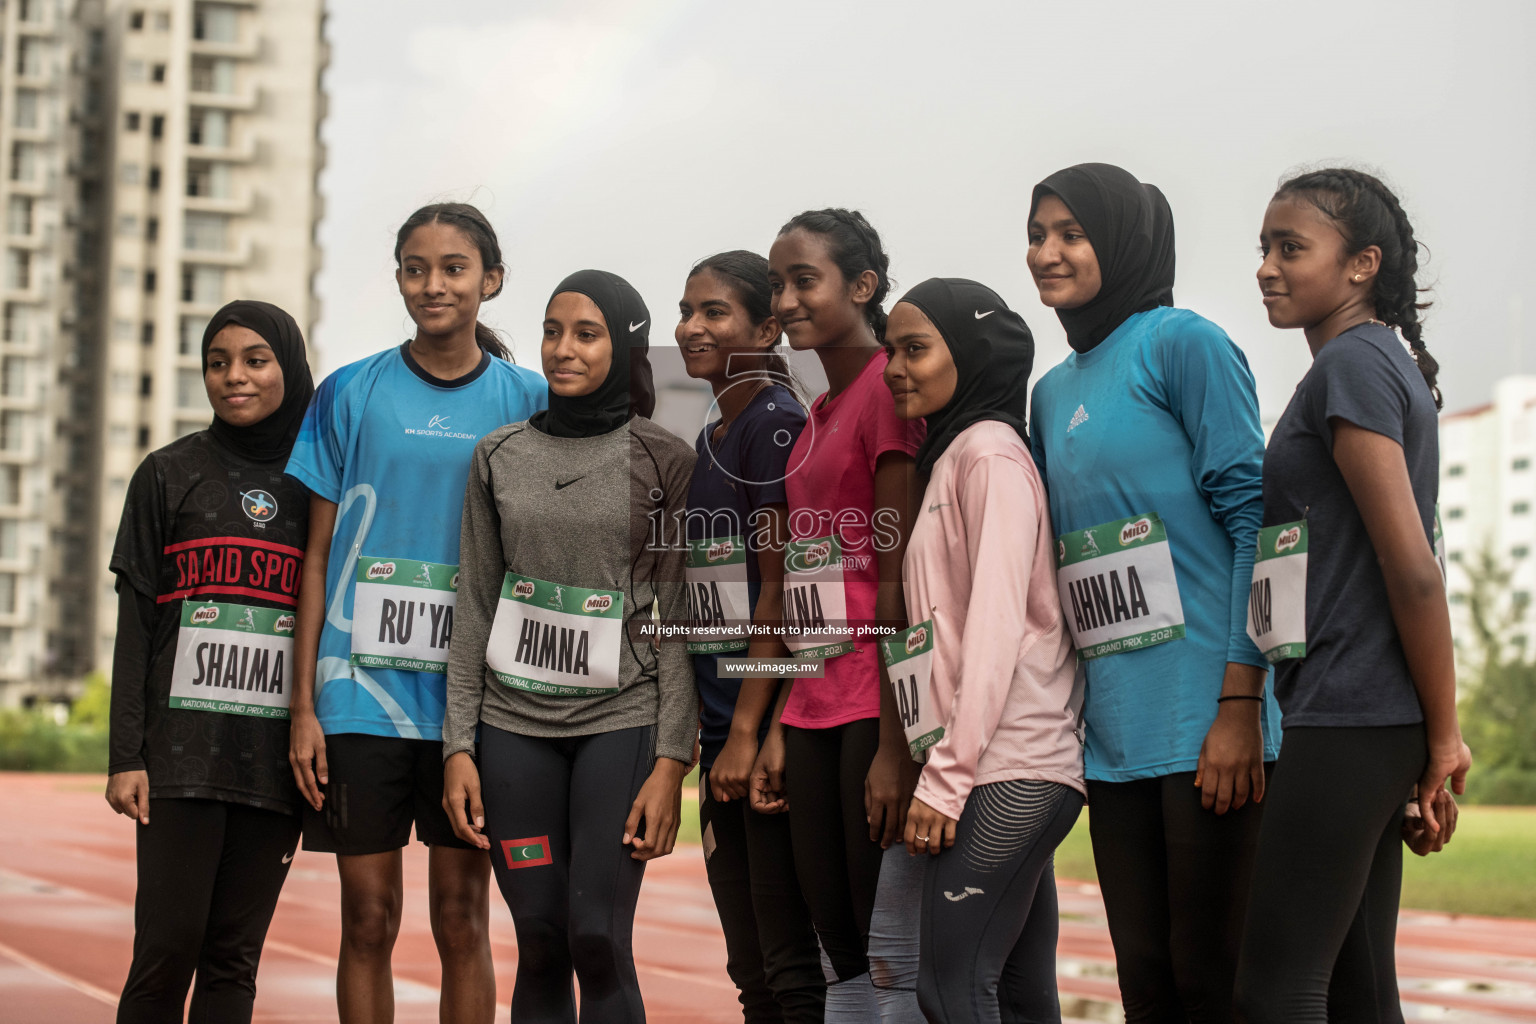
pixel 989 907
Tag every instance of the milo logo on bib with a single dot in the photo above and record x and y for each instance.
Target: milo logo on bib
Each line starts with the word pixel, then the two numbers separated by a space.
pixel 815 599
pixel 1117 586
pixel 556 639
pixel 909 657
pixel 402 614
pixel 233 659
pixel 1277 598
pixel 718 599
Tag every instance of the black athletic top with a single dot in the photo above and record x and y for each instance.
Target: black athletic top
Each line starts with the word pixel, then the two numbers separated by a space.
pixel 202 523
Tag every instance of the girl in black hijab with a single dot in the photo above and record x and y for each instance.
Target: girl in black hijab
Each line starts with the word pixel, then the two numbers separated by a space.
pixel 585 735
pixel 207 560
pixel 997 714
pixel 1148 437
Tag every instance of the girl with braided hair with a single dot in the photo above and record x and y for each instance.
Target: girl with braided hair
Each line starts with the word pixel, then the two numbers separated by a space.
pixel 853 495
pixel 1348 601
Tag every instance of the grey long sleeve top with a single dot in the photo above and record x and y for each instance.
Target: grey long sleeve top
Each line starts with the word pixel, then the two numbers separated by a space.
pixel 602 513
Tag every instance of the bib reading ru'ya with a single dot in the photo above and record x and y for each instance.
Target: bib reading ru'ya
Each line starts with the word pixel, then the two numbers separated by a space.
pixel 402 614
pixel 233 659
pixel 556 639
pixel 1118 590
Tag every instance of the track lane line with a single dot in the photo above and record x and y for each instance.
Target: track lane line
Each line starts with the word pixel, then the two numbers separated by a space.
pixel 80 985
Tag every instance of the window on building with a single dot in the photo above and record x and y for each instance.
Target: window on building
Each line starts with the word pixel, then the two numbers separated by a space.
pixel 152 229
pixel 157 73
pixel 156 126
pixel 29 57
pixel 12 430
pixel 136 21
pixel 146 385
pixel 122 383
pixel 143 437
pixel 25 161
pixel 13 377
pixel 18 269
pixel 18 215
pixel 213 75
pixel 135 70
pixel 120 434
pixel 1455 469
pixel 128 224
pixel 127 277
pixel 191 341
pixel 147 332
pixel 28 106
pixel 215 23
pixel 129 174
pixel 10 539
pixel 190 392
pixel 7 594
pixel 203 286
pixel 10 485
pixel 149 282
pixel 1520 508
pixel 208 180
pixel 208 128
pixel 1520 464
pixel 131 121
pixel 162 21
pixel 204 232
pixel 31 11
pixel 122 330
pixel 154 179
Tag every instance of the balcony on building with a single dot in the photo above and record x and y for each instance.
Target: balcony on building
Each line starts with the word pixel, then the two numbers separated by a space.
pixel 214 85
pixel 35 18
pixel 206 240
pixel 209 138
pixel 211 189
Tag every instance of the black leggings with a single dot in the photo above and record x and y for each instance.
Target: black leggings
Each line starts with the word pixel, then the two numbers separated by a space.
pixel 839 867
pixel 1322 921
pixel 770 945
pixel 989 918
pixel 1175 881
pixel 209 876
pixel 555 812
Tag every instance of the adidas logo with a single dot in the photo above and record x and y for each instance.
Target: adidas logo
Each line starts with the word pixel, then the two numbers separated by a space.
pixel 1078 418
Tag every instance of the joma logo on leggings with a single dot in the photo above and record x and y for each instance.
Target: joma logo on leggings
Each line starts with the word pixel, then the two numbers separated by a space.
pixel 526 853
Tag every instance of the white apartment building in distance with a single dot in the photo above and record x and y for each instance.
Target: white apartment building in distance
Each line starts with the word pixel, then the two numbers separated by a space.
pixel 1488 498
pixel 163 158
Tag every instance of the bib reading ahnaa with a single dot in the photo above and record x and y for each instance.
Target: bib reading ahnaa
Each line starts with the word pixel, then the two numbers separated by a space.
pixel 1118 590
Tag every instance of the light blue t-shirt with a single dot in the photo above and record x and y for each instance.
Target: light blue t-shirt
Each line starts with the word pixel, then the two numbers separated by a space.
pixel 1161 417
pixel 391 446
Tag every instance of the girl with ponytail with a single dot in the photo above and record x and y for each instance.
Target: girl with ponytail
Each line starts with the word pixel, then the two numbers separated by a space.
pixel 385 452
pixel 1350 605
pixel 853 494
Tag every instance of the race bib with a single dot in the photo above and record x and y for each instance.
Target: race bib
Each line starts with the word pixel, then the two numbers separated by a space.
pixel 1117 586
pixel 402 614
pixel 553 639
pixel 909 656
pixel 815 599
pixel 718 601
pixel 233 659
pixel 1277 601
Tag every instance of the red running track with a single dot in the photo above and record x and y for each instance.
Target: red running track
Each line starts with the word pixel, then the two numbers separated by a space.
pixel 66 933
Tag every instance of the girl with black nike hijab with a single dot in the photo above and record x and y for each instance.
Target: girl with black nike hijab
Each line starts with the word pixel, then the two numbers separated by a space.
pixel 992 708
pixel 207 563
pixel 586 725
pixel 1148 438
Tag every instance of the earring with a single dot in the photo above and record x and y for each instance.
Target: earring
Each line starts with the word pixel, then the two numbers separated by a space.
pixel 1357 277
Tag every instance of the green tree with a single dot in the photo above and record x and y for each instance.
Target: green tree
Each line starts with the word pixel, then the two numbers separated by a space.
pixel 1498 708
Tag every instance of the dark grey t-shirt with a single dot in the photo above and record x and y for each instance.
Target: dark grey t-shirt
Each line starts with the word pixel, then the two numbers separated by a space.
pixel 1355 673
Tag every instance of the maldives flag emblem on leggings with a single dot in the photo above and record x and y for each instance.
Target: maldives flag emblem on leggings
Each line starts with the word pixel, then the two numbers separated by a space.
pixel 526 853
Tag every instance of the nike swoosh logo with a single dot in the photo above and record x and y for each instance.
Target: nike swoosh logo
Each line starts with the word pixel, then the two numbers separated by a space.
pixel 635 327
pixel 287 858
pixel 982 316
pixel 559 484
pixel 935 508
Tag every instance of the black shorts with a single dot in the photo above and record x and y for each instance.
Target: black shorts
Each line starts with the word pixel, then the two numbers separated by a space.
pixel 378 786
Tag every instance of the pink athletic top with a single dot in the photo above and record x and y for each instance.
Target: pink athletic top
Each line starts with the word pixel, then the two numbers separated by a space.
pixel 832 490
pixel 981 564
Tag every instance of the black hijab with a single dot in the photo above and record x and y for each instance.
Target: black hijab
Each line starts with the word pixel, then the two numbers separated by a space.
pixel 1130 227
pixel 993 352
pixel 628 389
pixel 273 437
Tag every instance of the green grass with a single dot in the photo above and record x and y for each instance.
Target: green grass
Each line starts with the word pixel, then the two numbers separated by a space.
pixel 688 825
pixel 1487 868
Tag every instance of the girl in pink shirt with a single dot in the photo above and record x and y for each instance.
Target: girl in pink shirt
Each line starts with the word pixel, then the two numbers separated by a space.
pixel 852 497
pixel 998 715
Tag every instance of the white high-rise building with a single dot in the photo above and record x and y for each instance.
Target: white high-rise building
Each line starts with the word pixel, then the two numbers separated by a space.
pixel 1488 497
pixel 161 158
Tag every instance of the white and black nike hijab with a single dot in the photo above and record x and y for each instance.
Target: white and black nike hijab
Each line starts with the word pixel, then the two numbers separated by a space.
pixel 628 390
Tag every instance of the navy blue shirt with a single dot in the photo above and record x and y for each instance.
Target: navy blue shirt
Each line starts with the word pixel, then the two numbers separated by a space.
pixel 734 478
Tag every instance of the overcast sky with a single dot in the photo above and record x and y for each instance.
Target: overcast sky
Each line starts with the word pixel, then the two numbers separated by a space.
pixel 638 136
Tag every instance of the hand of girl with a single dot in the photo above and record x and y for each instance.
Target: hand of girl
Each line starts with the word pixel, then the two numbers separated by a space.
pixel 658 807
pixel 1231 765
pixel 128 793
pixel 767 782
pixel 928 830
pixel 729 775
pixel 306 755
pixel 1446 760
pixel 887 790
pixel 1419 838
pixel 461 787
